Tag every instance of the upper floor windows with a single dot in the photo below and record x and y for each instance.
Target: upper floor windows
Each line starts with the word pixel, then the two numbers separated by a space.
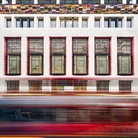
pixel 129 22
pixel 57 55
pixel 124 55
pixel 90 1
pixel 84 22
pixel 69 22
pixel 102 56
pixel 68 1
pixel 97 23
pixel 8 22
pixel 112 1
pixel 40 22
pixel 24 1
pixel 24 22
pixel 13 56
pixel 35 56
pixel 46 1
pixel 80 57
pixel 53 22
pixel 113 22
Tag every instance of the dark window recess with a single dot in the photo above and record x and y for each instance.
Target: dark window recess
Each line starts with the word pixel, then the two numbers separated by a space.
pixel 12 85
pixel 46 1
pixel 24 1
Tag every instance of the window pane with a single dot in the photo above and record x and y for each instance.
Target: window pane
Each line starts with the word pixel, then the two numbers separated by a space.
pixel 40 23
pixel 69 23
pixel 36 45
pixel 25 23
pixel 18 23
pixel 113 23
pixel 58 64
pixel 12 85
pixel 80 45
pixel 97 23
pixel 124 64
pixel 102 64
pixel 9 23
pixel 80 84
pixel 13 65
pixel 68 1
pixel 84 23
pixel 75 21
pixel 46 1
pixel 119 23
pixel 62 23
pixel 106 23
pixel 31 23
pixel 80 64
pixel 36 64
pixel 90 1
pixel 53 23
pixel 129 23
pixel 35 85
pixel 125 85
pixel 24 1
pixel 58 45
pixel 103 85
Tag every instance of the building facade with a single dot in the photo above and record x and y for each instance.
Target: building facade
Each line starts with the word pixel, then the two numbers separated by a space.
pixel 68 46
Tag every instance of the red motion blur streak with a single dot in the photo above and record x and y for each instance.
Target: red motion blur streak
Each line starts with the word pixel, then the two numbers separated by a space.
pixel 124 129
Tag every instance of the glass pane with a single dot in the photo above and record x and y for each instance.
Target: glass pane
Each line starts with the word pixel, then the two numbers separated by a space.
pixel 53 23
pixel 113 23
pixel 58 64
pixel 57 45
pixel 80 84
pixel 13 45
pixel 46 1
pixel 69 23
pixel 62 23
pixel 13 65
pixel 129 23
pixel 119 23
pixel 97 23
pixel 102 45
pixel 102 65
pixel 35 85
pixel 125 85
pixel 102 85
pixel 31 23
pixel 9 23
pixel 40 23
pixel 106 24
pixel 80 65
pixel 124 45
pixel 35 45
pixel 84 23
pixel 80 45
pixel 124 64
pixel 24 1
pixel 25 23
pixel 17 23
pixel 12 85
pixel 35 64
pixel 75 23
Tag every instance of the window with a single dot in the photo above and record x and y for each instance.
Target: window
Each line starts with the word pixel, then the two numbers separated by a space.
pixel 24 22
pixel 24 1
pixel 59 84
pixel 112 1
pixel 57 56
pixel 103 85
pixel 13 46
pixel 113 22
pixel 8 23
pixel 125 86
pixel 13 85
pixel 34 86
pixel 124 55
pixel 80 56
pixel 46 1
pixel 8 1
pixel 53 22
pixel 97 23
pixel 84 22
pixel 40 23
pixel 102 56
pixel 35 56
pixel 129 1
pixel 129 22
pixel 69 22
pixel 80 84
pixel 68 1
pixel 90 1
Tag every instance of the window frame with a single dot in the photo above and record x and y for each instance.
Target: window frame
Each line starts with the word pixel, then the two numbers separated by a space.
pixel 105 53
pixel 79 54
pixel 35 51
pixel 59 53
pixel 127 53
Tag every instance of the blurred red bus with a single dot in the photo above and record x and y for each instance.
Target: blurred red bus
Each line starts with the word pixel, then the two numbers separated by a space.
pixel 69 116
